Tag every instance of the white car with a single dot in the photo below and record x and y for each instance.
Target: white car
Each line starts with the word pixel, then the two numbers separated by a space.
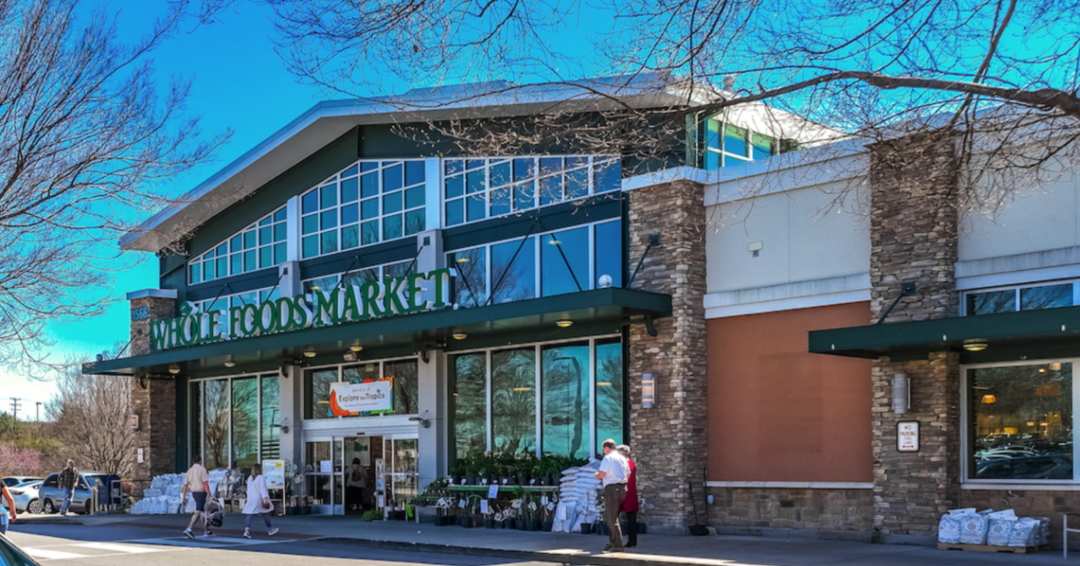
pixel 25 496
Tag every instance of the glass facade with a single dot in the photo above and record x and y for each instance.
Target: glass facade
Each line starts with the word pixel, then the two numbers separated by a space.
pixel 368 203
pixel 567 390
pixel 259 246
pixel 723 145
pixel 319 382
pixel 234 422
pixel 1013 299
pixel 477 189
pixel 1020 420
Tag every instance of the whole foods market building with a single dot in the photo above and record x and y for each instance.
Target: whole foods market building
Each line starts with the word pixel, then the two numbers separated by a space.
pixel 340 293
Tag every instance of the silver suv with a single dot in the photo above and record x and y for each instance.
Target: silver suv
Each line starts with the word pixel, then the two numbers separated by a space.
pixel 52 496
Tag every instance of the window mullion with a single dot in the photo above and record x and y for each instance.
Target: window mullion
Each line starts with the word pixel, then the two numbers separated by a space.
pixel 539 394
pixel 487 389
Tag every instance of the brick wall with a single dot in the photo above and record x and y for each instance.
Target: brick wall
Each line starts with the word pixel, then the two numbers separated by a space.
pixel 913 238
pixel 745 510
pixel 669 440
pixel 154 400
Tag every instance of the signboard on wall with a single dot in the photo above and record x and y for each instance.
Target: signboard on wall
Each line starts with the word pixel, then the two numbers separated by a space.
pixel 907 436
pixel 351 398
pixel 274 471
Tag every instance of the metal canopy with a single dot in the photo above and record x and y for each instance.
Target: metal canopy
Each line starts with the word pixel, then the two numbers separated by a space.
pixel 592 312
pixel 1009 336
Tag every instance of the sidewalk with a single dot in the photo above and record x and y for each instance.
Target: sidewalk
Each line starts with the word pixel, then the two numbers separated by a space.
pixel 653 550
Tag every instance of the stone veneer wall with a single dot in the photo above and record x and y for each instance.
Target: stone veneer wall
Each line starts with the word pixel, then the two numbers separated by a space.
pixel 913 238
pixel 154 400
pixel 832 511
pixel 669 440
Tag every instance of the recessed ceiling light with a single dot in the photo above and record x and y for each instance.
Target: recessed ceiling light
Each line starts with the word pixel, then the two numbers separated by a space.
pixel 174 369
pixel 230 363
pixel 564 323
pixel 977 345
pixel 554 242
pixel 460 335
pixel 462 260
pixel 604 383
pixel 356 348
pixel 523 389
pixel 309 353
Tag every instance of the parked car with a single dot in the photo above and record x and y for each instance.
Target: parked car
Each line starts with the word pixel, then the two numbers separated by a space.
pixel 1050 467
pixel 26 498
pixel 12 555
pixel 12 481
pixel 52 496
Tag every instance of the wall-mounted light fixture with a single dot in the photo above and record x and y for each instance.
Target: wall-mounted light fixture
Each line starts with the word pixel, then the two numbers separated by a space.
pixel 901 394
pixel 648 390
pixel 989 398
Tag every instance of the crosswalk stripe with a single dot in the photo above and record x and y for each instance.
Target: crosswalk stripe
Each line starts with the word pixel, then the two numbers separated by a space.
pixel 46 554
pixel 126 548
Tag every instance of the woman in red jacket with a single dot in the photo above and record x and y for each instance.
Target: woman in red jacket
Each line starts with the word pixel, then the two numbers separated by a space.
pixel 630 504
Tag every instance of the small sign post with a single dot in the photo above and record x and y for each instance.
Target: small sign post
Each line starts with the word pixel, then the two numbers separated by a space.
pixel 907 436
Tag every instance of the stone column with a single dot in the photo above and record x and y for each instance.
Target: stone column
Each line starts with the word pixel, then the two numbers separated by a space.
pixel 669 440
pixel 153 400
pixel 913 238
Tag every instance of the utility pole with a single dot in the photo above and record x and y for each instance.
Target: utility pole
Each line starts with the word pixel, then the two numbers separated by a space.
pixel 38 409
pixel 15 407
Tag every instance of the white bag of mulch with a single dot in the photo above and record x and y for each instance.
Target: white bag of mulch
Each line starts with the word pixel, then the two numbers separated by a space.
pixel 1024 532
pixel 974 527
pixel 1042 533
pixel 1000 530
pixel 949 526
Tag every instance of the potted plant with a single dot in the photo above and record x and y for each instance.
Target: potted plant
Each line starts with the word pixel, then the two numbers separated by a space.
pixel 532 509
pixel 547 512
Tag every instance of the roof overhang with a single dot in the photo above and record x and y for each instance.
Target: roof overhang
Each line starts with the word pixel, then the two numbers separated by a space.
pixel 1036 334
pixel 599 311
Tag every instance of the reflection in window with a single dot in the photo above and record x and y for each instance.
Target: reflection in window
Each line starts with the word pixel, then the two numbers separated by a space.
pixel 564 260
pixel 245 422
pixel 565 409
pixel 405 385
pixel 271 412
pixel 471 286
pixel 195 421
pixel 317 385
pixel 216 425
pixel 1021 418
pixel 513 270
pixel 991 302
pixel 1046 297
pixel 513 400
pixel 609 392
pixel 608 253
pixel 467 403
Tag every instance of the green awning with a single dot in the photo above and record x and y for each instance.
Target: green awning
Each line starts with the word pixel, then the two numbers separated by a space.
pixel 599 311
pixel 1009 336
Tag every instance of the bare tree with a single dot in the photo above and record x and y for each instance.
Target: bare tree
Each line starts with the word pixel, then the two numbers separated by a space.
pixel 1000 76
pixel 88 138
pixel 91 414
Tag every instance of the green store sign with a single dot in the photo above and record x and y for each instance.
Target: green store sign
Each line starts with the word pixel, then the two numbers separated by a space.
pixel 413 293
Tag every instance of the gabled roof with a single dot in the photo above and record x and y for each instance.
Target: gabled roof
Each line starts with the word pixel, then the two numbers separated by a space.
pixel 326 121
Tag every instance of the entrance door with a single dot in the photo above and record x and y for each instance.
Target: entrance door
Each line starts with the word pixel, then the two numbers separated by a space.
pixel 402 470
pixel 323 474
pixel 359 474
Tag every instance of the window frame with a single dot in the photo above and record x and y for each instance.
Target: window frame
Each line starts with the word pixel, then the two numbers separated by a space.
pixel 592 167
pixel 253 228
pixel 229 388
pixel 965 431
pixel 1017 288
pixel 339 367
pixel 776 145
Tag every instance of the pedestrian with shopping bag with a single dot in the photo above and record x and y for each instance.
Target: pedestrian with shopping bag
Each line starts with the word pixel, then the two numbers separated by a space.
pixel 258 501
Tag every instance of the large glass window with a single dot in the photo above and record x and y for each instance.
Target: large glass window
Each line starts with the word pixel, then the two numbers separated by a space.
pixel 368 203
pixel 724 144
pixel 564 260
pixel 259 246
pixel 1021 422
pixel 216 424
pixel 270 407
pixel 1019 298
pixel 508 270
pixel 245 422
pixel 467 403
pixel 318 384
pixel 565 406
pixel 513 400
pixel 475 189
pixel 609 392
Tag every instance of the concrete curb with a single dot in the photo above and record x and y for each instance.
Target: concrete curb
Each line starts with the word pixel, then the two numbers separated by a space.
pixel 48 521
pixel 523 555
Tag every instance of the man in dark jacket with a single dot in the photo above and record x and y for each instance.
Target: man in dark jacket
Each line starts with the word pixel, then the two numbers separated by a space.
pixel 69 476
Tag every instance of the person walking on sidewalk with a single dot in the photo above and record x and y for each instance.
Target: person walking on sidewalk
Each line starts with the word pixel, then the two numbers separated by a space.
pixel 7 514
pixel 69 476
pixel 197 482
pixel 630 504
pixel 614 472
pixel 258 501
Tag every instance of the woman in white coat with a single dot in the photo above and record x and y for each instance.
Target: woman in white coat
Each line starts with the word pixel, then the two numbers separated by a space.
pixel 258 501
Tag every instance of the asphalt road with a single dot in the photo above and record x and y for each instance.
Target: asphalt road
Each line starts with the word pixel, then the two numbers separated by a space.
pixel 127 545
